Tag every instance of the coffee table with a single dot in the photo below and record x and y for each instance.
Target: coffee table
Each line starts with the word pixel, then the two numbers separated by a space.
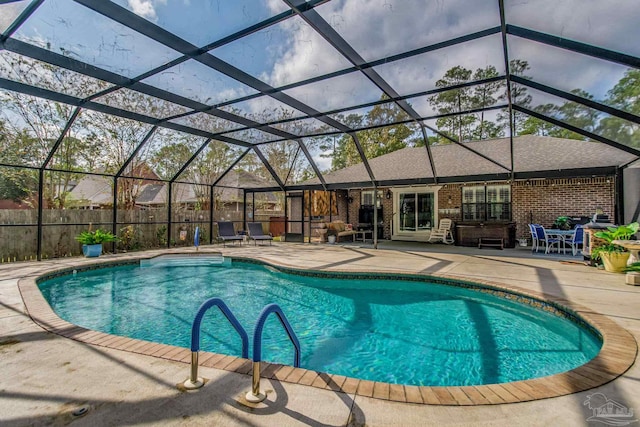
pixel 362 234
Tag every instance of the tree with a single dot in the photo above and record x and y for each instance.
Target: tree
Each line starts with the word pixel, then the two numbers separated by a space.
pixel 534 126
pixel 625 95
pixel 485 96
pixel 569 112
pixel 16 183
pixel 374 142
pixel 465 127
pixel 519 96
pixel 453 101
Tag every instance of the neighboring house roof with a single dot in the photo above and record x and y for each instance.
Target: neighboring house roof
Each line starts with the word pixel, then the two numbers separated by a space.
pixel 152 194
pixel 531 154
pixel 230 187
pixel 92 190
pixel 96 190
pixel 156 194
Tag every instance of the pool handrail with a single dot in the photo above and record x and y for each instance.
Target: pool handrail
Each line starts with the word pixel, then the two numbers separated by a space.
pixel 255 395
pixel 193 381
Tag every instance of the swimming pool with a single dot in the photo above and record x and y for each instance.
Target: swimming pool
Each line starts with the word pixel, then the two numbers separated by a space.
pixel 396 331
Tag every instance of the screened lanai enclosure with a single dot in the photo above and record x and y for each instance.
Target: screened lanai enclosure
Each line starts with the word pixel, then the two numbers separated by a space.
pixel 149 118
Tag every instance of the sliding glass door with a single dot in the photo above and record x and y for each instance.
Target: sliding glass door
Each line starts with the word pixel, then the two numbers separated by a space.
pixel 415 211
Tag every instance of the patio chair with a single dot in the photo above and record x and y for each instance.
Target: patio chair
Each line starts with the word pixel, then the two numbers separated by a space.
pixel 256 233
pixel 576 240
pixel 226 232
pixel 535 243
pixel 544 237
pixel 442 233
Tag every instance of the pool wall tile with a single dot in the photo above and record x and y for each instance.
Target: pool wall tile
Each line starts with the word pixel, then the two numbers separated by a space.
pixel 381 390
pixel 444 396
pixel 295 375
pixel 365 388
pixel 396 393
pixel 224 362
pixel 429 396
pixel 308 378
pixel 268 370
pixel 474 395
pixel 350 385
pixel 490 395
pixel 460 396
pixel 503 393
pixel 282 373
pixel 412 394
pixel 336 382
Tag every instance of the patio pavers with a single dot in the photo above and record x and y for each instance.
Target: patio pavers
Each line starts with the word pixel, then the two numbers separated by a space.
pixel 595 290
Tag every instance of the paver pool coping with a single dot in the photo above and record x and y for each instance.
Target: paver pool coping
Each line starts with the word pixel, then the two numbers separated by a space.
pixel 616 356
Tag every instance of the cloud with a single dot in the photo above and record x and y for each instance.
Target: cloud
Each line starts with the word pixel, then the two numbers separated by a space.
pixel 380 28
pixel 305 55
pixel 144 8
pixel 376 29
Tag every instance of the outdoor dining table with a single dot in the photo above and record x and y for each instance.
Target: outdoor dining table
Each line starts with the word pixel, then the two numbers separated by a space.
pixel 561 235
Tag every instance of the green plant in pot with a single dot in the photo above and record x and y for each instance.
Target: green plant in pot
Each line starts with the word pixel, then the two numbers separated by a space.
pixel 614 257
pixel 562 223
pixel 633 268
pixel 92 241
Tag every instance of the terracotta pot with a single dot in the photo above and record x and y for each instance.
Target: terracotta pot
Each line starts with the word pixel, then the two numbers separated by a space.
pixel 615 262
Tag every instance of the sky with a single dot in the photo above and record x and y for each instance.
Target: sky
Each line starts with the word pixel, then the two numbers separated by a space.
pixel 291 51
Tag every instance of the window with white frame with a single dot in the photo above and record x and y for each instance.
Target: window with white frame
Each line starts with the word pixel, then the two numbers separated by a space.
pixel 486 203
pixel 367 199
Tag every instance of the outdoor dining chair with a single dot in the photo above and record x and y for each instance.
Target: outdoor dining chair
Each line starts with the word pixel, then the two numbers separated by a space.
pixel 543 237
pixel 576 240
pixel 535 244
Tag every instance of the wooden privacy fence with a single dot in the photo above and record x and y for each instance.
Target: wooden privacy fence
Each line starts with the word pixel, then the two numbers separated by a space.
pixel 137 230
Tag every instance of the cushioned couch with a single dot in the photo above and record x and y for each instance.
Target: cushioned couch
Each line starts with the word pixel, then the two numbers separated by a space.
pixel 340 230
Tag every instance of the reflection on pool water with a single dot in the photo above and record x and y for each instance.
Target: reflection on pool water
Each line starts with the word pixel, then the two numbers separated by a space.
pixel 396 331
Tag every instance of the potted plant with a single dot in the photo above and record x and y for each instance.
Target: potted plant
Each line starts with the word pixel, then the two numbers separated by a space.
pixel 92 241
pixel 562 223
pixel 613 256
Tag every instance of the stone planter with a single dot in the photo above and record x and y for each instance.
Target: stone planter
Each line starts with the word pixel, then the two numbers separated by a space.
pixel 91 251
pixel 633 278
pixel 614 262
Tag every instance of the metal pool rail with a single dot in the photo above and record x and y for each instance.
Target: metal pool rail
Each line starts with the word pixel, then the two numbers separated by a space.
pixel 193 381
pixel 255 395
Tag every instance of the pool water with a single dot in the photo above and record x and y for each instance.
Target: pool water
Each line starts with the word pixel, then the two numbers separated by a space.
pixel 404 332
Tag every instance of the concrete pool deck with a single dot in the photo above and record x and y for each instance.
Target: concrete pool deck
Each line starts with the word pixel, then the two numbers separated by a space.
pixel 45 377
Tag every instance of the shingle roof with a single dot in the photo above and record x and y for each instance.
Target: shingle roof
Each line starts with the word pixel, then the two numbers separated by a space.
pixel 531 154
pixel 92 190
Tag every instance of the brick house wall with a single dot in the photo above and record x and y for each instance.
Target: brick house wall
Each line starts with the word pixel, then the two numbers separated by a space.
pixel 542 201
pixel 539 201
pixel 387 210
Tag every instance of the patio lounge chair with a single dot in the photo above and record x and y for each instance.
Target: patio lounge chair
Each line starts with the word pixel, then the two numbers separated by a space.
pixel 442 233
pixel 226 233
pixel 256 233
